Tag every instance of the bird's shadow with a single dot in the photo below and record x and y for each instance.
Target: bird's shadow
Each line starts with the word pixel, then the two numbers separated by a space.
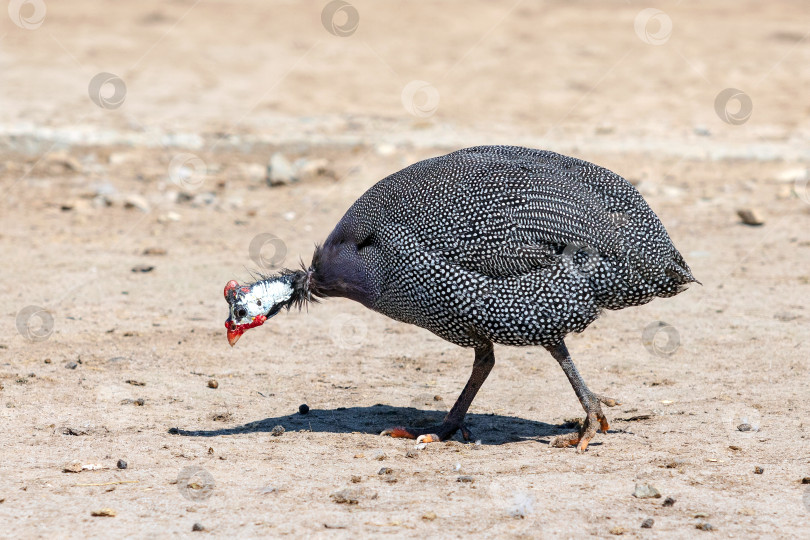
pixel 489 428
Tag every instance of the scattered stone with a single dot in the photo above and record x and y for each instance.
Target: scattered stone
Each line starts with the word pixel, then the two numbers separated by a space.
pixel 465 479
pixel 121 464
pixel 104 512
pixel 279 171
pixel 277 431
pixel 704 526
pixel 617 531
pixel 669 501
pixel 212 383
pixel 197 527
pixel 429 516
pixel 385 470
pixel 60 162
pixel 420 446
pixel 142 268
pixel 222 417
pixel 133 382
pixel 758 470
pixel 356 479
pixel 303 408
pixel 310 169
pixel 744 427
pixel 76 432
pixel 154 251
pixel 73 467
pixel 168 217
pixel 71 365
pixel 648 523
pixel 411 453
pixel 136 201
pixel 735 447
pixel 646 491
pixel 438 398
pixel 750 216
pixel 47 360
pixel 379 455
pixel 806 480
pixel 346 496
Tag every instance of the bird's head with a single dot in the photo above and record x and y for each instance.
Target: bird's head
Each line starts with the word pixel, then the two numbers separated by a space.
pixel 251 305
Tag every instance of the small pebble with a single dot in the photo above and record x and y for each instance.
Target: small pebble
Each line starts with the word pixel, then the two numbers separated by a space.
pixel 465 479
pixel 197 527
pixel 142 268
pixel 806 480
pixel 646 491
pixel 47 360
pixel 744 427
pixel 618 531
pixel 379 455
pixel 277 431
pixel 647 523
pixel 139 402
pixel 303 408
pixel 71 365
pixel 411 453
pixel 750 216
pixel 669 501
pixel 429 516
pixel 385 470
pixel 104 512
pixel 758 470
pixel 212 383
pixel 704 526
pixel 121 464
pixel 356 479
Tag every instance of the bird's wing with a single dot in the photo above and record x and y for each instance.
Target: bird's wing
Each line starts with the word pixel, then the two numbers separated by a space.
pixel 509 219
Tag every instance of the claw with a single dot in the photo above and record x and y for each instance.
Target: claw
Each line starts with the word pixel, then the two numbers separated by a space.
pixel 398 432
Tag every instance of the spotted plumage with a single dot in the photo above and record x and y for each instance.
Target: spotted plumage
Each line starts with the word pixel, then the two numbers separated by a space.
pixel 498 244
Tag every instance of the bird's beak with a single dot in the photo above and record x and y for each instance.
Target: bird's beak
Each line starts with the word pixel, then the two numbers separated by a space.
pixel 235 331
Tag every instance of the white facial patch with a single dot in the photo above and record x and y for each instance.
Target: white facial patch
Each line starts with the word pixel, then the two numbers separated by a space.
pixel 264 295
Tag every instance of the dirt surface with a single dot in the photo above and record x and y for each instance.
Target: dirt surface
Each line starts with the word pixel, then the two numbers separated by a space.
pixel 122 223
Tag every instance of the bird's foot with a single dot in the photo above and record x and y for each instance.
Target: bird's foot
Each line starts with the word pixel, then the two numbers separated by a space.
pixel 594 420
pixel 439 433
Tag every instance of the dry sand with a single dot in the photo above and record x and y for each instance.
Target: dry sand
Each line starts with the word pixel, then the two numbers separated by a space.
pixel 221 86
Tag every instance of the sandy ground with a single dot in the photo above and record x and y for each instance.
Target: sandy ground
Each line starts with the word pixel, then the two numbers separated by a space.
pixel 99 362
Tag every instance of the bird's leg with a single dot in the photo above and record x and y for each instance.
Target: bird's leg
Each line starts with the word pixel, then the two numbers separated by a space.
pixel 590 402
pixel 454 421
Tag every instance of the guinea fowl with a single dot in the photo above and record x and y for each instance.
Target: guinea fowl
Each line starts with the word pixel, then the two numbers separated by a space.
pixel 492 244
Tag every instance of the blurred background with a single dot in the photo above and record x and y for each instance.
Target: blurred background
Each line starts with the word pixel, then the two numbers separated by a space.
pixel 152 151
